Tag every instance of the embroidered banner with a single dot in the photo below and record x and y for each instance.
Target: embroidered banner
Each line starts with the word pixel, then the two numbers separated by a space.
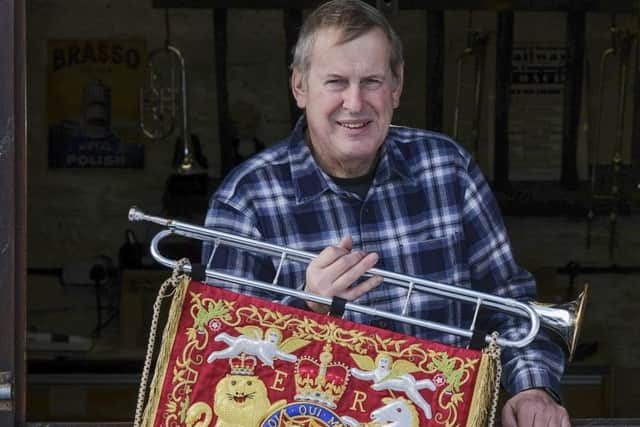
pixel 228 360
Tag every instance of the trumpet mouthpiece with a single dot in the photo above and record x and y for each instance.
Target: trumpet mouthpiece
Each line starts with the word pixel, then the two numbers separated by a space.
pixel 135 214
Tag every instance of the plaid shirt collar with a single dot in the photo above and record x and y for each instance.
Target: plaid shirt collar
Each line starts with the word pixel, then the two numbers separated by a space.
pixel 310 181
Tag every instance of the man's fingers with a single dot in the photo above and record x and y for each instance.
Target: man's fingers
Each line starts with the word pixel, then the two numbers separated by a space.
pixel 346 243
pixel 362 288
pixel 328 256
pixel 351 294
pixel 331 253
pixel 559 417
pixel 527 419
pixel 534 408
pixel 509 416
pixel 336 268
pixel 344 265
pixel 352 274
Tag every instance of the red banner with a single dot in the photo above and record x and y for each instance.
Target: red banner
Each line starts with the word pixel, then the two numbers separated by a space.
pixel 229 360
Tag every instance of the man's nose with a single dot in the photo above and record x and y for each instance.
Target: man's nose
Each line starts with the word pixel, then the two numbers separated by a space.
pixel 352 100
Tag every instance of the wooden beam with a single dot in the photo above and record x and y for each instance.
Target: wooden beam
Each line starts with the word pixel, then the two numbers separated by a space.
pixel 504 49
pixel 20 129
pixel 608 6
pixel 435 70
pixel 13 218
pixel 574 71
pixel 236 4
pixel 635 130
pixel 222 95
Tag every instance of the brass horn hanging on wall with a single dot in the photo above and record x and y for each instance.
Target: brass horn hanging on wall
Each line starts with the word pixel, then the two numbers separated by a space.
pixel 476 51
pixel 157 101
pixel 622 42
pixel 164 104
pixel 164 108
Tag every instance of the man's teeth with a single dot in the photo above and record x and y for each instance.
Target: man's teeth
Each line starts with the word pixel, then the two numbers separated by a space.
pixel 358 125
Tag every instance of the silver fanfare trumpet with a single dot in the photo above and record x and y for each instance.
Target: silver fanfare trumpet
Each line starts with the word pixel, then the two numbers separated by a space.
pixel 565 320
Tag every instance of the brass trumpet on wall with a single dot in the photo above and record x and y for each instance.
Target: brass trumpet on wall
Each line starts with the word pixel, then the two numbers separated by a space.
pixel 164 103
pixel 622 45
pixel 475 51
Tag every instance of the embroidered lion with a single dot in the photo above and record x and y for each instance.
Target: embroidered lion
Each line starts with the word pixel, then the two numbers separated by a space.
pixel 242 401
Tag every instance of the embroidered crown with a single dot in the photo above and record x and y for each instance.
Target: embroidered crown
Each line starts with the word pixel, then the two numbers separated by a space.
pixel 243 364
pixel 323 381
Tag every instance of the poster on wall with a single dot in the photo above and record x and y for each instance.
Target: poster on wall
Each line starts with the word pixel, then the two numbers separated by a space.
pixel 93 103
pixel 535 115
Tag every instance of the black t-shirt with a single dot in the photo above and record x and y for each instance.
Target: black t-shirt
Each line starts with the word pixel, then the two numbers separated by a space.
pixel 358 185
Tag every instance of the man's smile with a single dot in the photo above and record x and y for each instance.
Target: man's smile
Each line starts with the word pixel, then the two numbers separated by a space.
pixel 358 124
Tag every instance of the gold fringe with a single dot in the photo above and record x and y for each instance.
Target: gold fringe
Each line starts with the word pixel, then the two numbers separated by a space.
pixel 168 337
pixel 485 393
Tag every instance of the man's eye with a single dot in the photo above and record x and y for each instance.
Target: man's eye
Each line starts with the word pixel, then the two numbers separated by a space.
pixel 372 83
pixel 335 83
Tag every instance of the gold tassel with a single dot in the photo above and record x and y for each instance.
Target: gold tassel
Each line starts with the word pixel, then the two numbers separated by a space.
pixel 180 282
pixel 485 393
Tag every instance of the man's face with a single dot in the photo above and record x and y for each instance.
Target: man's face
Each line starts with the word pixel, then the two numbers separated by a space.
pixel 349 94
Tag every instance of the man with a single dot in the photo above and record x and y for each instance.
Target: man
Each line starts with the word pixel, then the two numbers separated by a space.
pixel 364 193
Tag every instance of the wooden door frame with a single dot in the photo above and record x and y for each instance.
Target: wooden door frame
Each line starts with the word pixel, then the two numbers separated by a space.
pixel 13 168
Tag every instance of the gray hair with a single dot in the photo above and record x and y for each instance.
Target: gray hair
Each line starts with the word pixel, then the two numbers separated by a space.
pixel 353 18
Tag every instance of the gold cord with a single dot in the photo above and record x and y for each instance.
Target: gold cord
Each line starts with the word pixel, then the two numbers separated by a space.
pixel 176 278
pixel 494 352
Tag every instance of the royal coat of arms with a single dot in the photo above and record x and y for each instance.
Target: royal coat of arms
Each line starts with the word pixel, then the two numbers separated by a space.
pixel 228 360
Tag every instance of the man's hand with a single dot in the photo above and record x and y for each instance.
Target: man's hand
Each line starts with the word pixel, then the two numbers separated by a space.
pixel 333 271
pixel 534 407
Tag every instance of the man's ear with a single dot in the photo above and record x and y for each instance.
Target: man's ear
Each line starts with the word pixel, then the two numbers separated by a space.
pixel 399 80
pixel 299 88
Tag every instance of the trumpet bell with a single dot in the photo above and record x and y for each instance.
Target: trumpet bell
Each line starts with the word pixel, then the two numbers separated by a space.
pixel 565 320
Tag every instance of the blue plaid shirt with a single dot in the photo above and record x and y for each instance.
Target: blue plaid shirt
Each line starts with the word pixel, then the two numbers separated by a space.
pixel 429 213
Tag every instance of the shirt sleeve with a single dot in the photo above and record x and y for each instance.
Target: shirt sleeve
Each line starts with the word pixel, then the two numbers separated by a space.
pixel 494 270
pixel 232 261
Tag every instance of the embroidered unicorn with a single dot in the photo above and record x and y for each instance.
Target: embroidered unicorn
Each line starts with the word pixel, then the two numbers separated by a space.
pixel 398 412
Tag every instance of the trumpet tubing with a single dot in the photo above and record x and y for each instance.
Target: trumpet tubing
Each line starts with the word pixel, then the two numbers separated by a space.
pixel 563 320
